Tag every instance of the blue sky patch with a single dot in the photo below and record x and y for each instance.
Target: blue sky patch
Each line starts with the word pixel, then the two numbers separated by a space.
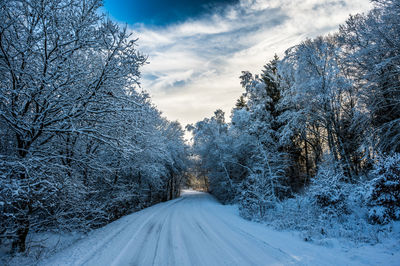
pixel 161 12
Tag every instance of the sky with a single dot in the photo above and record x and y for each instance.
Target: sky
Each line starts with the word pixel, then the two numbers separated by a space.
pixel 162 12
pixel 197 48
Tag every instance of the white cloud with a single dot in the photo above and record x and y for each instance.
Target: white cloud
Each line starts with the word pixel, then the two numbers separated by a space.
pixel 195 65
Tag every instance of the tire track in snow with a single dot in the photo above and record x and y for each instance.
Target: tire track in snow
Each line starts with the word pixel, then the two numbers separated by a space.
pixel 235 250
pixel 161 226
pixel 99 247
pixel 261 241
pixel 124 254
pixel 238 230
pixel 220 249
pixel 232 229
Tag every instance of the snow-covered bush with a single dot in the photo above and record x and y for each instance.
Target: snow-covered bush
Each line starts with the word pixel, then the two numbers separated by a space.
pixel 384 195
pixel 317 224
pixel 328 189
pixel 255 197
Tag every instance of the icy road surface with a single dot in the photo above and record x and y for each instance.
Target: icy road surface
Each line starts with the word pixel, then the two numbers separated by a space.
pixel 194 230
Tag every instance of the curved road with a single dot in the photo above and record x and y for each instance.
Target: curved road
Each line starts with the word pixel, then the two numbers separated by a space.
pixel 192 230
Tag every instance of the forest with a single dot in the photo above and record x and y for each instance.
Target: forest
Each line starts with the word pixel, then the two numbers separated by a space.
pixel 81 143
pixel 313 144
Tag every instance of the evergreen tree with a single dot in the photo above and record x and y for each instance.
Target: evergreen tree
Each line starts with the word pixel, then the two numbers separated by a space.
pixel 384 196
pixel 241 103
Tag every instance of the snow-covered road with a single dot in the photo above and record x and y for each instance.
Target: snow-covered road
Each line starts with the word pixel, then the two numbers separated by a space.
pixel 193 230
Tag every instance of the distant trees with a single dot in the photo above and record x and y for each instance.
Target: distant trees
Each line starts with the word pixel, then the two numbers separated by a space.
pixel 314 122
pixel 213 146
pixel 80 146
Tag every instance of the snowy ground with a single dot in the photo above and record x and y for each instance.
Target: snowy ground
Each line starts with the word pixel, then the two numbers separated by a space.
pixel 197 230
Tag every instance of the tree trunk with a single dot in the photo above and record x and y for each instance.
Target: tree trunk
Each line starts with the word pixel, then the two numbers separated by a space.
pixel 23 225
pixel 307 163
pixel 19 244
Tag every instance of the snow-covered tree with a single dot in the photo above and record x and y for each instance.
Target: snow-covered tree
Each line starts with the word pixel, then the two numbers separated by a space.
pixel 320 103
pixel 384 195
pixel 328 188
pixel 266 182
pixel 213 145
pixel 372 43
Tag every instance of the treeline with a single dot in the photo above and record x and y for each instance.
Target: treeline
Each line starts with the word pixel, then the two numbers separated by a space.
pixel 80 144
pixel 321 124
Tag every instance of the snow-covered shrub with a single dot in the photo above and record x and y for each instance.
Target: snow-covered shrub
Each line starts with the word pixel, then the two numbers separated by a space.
pixel 255 197
pixel 328 189
pixel 384 195
pixel 318 224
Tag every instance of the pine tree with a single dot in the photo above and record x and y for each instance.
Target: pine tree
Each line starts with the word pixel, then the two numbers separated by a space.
pixel 271 80
pixel 241 103
pixel 384 195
